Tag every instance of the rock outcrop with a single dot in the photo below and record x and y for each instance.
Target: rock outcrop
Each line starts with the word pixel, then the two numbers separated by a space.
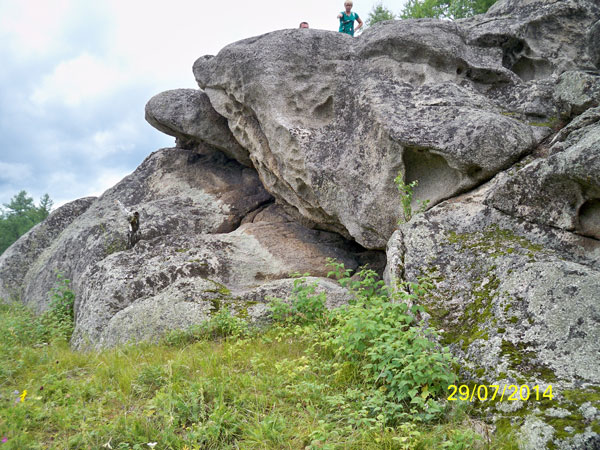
pixel 287 155
pixel 16 261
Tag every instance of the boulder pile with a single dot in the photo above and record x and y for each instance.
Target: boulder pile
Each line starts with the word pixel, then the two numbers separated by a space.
pixel 287 156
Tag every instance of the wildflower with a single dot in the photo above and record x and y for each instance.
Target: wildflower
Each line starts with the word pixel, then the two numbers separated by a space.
pixel 152 444
pixel 23 395
pixel 4 440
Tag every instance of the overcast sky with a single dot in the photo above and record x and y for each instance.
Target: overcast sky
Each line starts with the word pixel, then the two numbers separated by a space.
pixel 75 76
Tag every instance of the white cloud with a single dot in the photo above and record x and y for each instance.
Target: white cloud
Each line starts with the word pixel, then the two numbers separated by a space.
pixel 106 142
pixel 30 27
pixel 63 183
pixel 84 78
pixel 14 172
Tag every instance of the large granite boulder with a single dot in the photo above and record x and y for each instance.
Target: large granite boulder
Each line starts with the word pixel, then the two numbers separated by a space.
pixel 449 104
pixel 356 112
pixel 561 190
pixel 175 191
pixel 172 282
pixel 211 237
pixel 515 268
pixel 16 261
pixel 518 305
pixel 188 115
pixel 538 38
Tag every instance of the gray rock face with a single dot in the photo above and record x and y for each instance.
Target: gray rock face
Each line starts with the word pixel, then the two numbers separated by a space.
pixel 194 256
pixel 175 281
pixel 175 191
pixel 17 259
pixel 516 302
pixel 594 44
pixel 563 189
pixel 443 103
pixel 576 92
pixel 188 115
pixel 538 37
pixel 493 273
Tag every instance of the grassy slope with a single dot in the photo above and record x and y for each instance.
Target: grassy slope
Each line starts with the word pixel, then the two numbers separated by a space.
pixel 259 392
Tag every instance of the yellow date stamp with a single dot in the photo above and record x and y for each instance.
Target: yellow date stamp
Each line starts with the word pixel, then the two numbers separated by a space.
pixel 496 392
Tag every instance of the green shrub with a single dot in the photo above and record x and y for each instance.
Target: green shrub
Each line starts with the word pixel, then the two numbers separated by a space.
pixel 379 336
pixel 305 305
pixel 222 324
pixel 57 322
pixel 406 197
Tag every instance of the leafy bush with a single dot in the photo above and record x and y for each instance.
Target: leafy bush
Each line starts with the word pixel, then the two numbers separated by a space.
pixel 305 305
pixel 376 341
pixel 58 320
pixel 22 327
pixel 379 336
pixel 222 324
pixel 406 197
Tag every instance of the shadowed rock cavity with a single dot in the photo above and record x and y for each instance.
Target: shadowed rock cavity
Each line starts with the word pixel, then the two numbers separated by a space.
pixel 589 218
pixel 436 179
pixel 518 58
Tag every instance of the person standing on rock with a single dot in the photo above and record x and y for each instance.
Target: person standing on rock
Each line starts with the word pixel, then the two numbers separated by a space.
pixel 134 224
pixel 347 19
pixel 303 25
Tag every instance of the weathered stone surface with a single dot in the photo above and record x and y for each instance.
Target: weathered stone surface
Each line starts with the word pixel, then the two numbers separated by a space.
pixel 594 44
pixel 193 256
pixel 563 189
pixel 174 281
pixel 17 259
pixel 504 282
pixel 176 192
pixel 514 300
pixel 188 115
pixel 537 38
pixel 447 103
pixel 577 92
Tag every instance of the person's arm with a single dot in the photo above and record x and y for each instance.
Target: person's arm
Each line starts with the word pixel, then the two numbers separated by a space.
pixel 360 23
pixel 339 15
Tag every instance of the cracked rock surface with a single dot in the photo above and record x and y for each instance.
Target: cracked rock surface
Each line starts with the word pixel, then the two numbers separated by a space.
pixel 286 156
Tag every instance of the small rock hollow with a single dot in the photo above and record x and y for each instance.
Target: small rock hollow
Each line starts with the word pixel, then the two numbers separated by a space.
pixel 589 218
pixel 519 58
pixel 436 179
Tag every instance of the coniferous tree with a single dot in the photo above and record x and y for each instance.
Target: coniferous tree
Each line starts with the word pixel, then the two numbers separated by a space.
pixel 379 13
pixel 445 9
pixel 19 216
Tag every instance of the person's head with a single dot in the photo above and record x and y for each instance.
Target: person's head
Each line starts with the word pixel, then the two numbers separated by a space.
pixel 348 5
pixel 303 25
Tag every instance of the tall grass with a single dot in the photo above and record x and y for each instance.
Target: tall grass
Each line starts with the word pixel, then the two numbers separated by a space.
pixel 217 386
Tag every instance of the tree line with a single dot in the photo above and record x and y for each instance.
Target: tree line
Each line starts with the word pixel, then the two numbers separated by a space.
pixel 19 216
pixel 439 9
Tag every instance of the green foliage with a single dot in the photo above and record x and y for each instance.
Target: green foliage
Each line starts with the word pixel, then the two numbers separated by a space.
pixel 304 306
pixel 223 324
pixel 445 9
pixel 270 391
pixel 379 13
pixel 379 338
pixel 57 322
pixel 406 197
pixel 20 216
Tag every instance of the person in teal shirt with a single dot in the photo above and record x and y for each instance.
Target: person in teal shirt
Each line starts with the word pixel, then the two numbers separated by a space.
pixel 347 19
